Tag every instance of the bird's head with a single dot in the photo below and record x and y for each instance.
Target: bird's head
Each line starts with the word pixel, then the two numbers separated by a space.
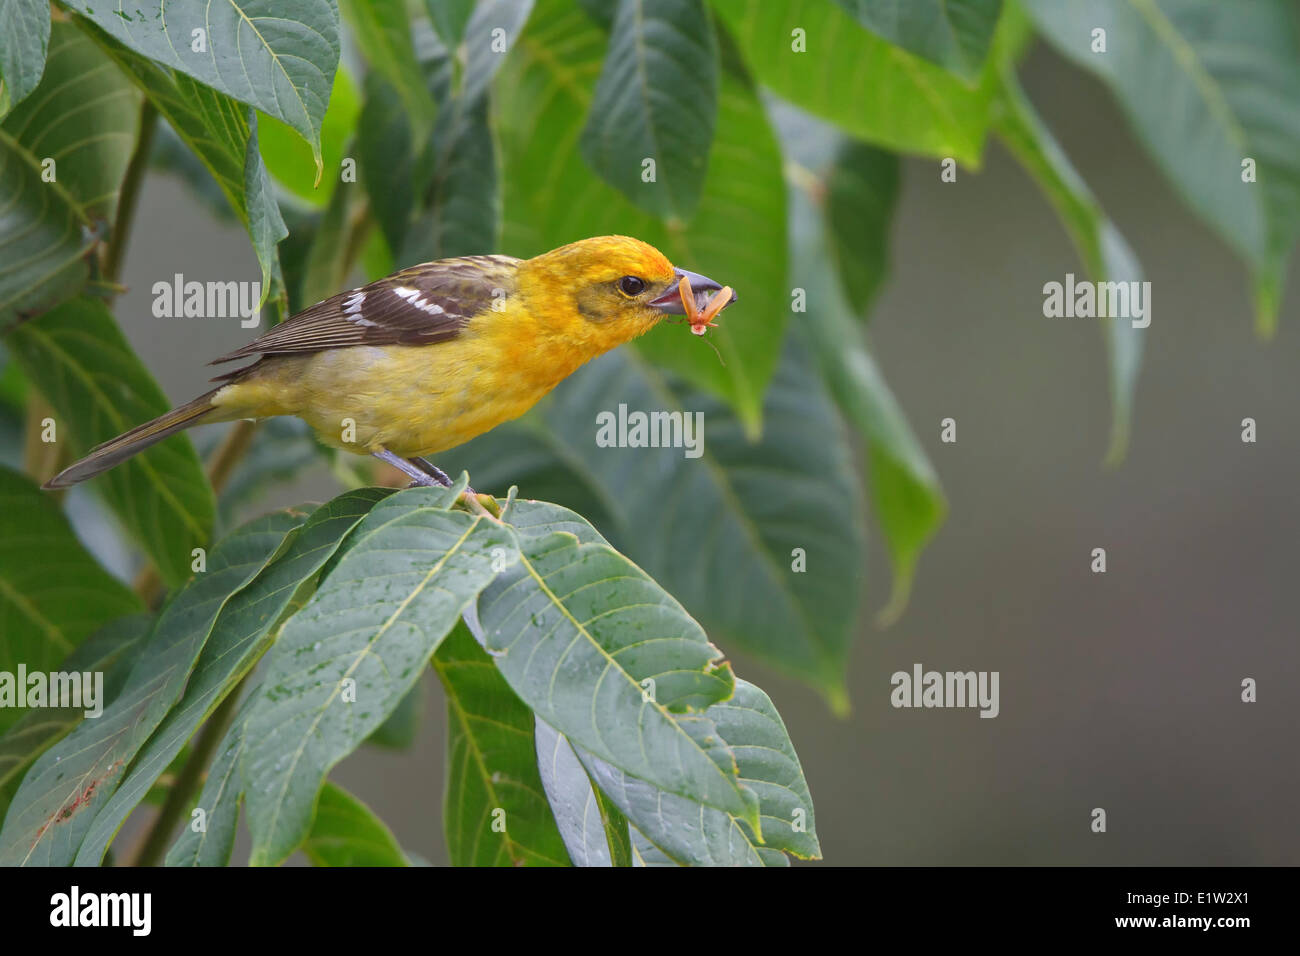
pixel 620 285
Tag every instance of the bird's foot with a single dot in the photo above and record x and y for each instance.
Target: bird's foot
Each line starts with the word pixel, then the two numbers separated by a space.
pixel 421 473
pixel 471 499
pixel 425 474
pixel 433 471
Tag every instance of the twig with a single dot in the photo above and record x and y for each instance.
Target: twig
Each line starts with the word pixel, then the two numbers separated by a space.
pixel 223 461
pixel 149 585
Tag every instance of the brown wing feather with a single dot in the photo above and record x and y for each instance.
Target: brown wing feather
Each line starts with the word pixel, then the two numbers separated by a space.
pixel 424 304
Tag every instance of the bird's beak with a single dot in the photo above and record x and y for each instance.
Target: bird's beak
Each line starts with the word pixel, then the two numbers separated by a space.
pixel 671 301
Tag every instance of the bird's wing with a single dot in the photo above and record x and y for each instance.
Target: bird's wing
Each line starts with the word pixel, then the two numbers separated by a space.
pixel 421 305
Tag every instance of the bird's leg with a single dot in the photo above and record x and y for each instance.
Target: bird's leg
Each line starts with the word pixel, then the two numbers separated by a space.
pixel 479 504
pixel 429 468
pixel 418 476
pixel 425 474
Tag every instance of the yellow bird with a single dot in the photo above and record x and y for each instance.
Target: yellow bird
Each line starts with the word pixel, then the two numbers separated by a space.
pixel 431 356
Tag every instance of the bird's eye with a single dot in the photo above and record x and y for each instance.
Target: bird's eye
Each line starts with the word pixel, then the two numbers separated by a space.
pixel 631 285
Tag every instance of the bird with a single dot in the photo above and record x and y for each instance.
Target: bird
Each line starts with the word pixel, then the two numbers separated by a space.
pixel 438 353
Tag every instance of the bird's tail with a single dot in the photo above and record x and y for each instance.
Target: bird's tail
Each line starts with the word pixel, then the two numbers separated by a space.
pixel 117 450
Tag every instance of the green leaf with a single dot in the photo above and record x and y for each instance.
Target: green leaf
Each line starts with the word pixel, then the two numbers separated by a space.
pixel 52 593
pixel 386 159
pixel 495 812
pixel 571 798
pixel 24 37
pixel 861 193
pixel 346 832
pixel 689 834
pixel 956 34
pixel 222 795
pixel 85 116
pixel 77 358
pixel 575 629
pixel 617 831
pixel 344 662
pixel 737 235
pixel 239 637
pixel 870 88
pixel 856 188
pixel 77 131
pixel 441 66
pixel 1105 254
pixel 1205 87
pixel 70 783
pixel 112 650
pixel 382 30
pixel 276 55
pixel 769 766
pixel 656 100
pixel 754 503
pixel 43 244
pixel 672 830
pixel 13 387
pixel 289 160
pixel 331 256
pixel 908 501
pixel 683 830
pixel 493 31
pixel 464 207
pixel 645 853
pixel 223 135
pixel 462 197
pixel 600 11
pixel 450 18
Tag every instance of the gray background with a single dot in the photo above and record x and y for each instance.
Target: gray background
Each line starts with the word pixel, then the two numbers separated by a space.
pixel 1119 690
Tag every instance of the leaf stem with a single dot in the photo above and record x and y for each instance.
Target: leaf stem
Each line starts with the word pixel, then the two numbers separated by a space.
pixel 128 197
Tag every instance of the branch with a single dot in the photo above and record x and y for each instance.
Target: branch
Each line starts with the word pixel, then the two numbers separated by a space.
pixel 232 448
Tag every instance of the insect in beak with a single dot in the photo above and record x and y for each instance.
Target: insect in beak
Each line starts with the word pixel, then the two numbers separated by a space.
pixel 689 299
pixel 702 319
